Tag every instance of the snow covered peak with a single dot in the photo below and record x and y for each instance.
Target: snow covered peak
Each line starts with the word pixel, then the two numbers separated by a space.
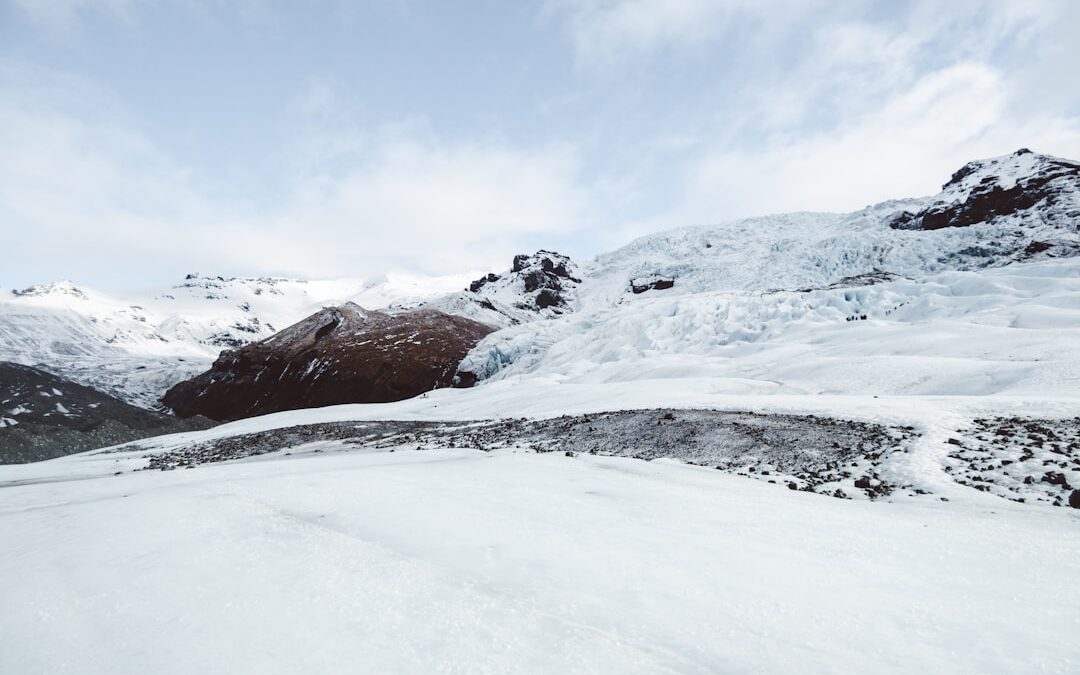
pixel 1015 186
pixel 542 285
pixel 1006 171
pixel 194 284
pixel 543 282
pixel 992 212
pixel 54 289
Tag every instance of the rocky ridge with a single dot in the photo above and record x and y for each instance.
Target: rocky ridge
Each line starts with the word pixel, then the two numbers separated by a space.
pixel 344 354
pixel 1022 188
pixel 44 416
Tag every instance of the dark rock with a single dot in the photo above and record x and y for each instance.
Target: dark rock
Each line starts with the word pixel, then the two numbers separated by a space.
pixel 871 278
pixel 863 482
pixel 44 416
pixel 464 379
pixel 339 355
pixel 543 280
pixel 654 282
pixel 482 281
pixel 1037 247
pixel 1074 499
pixel 1055 478
pixel 548 298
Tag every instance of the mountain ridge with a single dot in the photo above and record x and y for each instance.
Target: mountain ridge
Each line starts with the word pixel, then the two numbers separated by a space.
pixel 138 349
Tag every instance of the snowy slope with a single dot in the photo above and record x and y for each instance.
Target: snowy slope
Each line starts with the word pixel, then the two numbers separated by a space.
pixel 1011 330
pixel 455 560
pixel 841 303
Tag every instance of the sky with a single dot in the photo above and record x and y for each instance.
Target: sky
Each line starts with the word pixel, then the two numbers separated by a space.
pixel 141 139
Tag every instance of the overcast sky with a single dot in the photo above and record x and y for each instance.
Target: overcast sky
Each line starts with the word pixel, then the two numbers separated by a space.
pixel 140 140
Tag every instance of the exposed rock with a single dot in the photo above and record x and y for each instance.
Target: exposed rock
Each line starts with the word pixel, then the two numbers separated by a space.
pixel 871 278
pixel 542 281
pixel 654 282
pixel 1055 478
pixel 986 190
pixel 791 450
pixel 475 286
pixel 339 355
pixel 44 416
pixel 1026 460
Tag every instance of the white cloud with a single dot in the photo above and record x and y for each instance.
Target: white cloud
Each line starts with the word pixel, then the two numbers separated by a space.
pixel 431 207
pixel 781 106
pixel 84 189
pixel 907 147
pixel 608 31
pixel 858 110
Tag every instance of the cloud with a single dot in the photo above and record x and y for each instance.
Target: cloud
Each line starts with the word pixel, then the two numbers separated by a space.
pixel 907 147
pixel 606 32
pixel 85 190
pixel 675 112
pixel 432 207
pixel 857 103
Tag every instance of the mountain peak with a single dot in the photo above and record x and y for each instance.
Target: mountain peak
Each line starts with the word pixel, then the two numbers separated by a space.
pixel 366 357
pixel 542 281
pixel 1008 170
pixel 55 288
pixel 1000 187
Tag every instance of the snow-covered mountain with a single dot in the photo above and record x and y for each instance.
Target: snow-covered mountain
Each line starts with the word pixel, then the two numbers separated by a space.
pixel 812 302
pixel 735 300
pixel 137 347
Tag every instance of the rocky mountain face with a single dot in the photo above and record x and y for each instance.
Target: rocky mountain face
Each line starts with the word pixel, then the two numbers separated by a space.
pixel 44 416
pixel 1023 206
pixel 136 348
pixel 1022 187
pixel 542 285
pixel 343 354
pixel 546 279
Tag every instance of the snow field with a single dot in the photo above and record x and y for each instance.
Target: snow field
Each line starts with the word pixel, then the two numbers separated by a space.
pixel 460 561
